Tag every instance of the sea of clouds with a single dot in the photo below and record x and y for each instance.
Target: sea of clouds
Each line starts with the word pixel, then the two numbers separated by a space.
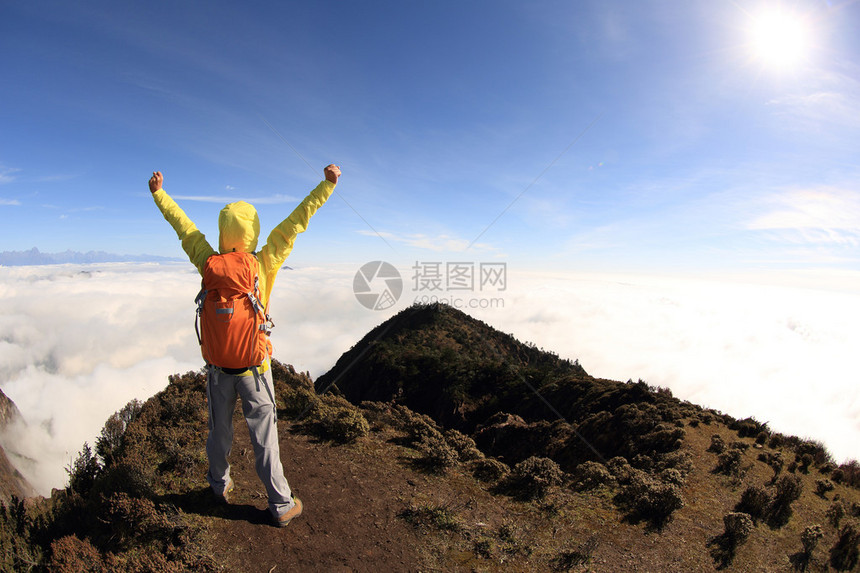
pixel 77 342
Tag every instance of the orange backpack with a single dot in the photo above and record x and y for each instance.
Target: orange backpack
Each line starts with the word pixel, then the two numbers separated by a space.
pixel 232 325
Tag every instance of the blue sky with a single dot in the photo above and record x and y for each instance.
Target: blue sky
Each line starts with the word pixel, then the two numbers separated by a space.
pixel 691 151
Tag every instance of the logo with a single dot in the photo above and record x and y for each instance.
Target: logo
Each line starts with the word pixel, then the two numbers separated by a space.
pixel 377 285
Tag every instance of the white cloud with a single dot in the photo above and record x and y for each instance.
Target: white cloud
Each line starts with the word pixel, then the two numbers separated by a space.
pixel 79 342
pixel 9 202
pixel 7 174
pixel 819 215
pixel 436 243
pixel 833 103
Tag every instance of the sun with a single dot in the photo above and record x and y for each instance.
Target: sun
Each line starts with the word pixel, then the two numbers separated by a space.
pixel 780 39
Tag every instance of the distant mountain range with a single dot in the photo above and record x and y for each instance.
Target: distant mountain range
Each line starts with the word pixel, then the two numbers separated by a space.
pixel 35 257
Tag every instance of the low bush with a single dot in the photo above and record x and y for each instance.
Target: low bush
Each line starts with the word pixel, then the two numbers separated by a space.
pixel 851 473
pixel 70 554
pixel 533 477
pixel 622 471
pixel 787 490
pixel 489 469
pixel 718 445
pixel 748 427
pixel 810 537
pixel 646 498
pixel 738 526
pixel 335 418
pixel 844 554
pixel 437 456
pixel 672 476
pixel 463 445
pixel 591 475
pixel 835 513
pixel 755 502
pixel 774 460
pixel 822 487
pixel 805 461
pixel 729 463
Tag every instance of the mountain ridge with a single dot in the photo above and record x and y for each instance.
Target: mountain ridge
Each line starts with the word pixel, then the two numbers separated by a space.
pixel 34 257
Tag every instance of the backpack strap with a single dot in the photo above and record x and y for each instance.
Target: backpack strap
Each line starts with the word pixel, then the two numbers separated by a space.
pixel 267 325
pixel 201 298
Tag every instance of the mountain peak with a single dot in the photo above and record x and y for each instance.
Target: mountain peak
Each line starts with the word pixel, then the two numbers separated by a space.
pixel 440 361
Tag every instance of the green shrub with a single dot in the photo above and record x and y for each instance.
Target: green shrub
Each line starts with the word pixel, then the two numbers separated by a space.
pixel 718 445
pixel 489 469
pixel 755 502
pixel 622 471
pixel 851 473
pixel 814 448
pixel 681 461
pixel 738 526
pixel 787 490
pixel 72 555
pixel 294 391
pixel 463 445
pixel 646 498
pixel 672 476
pixel 729 463
pixel 591 475
pixel 822 487
pixel 533 477
pixel 844 553
pixel 774 460
pixel 136 520
pixel 835 513
pixel 805 461
pixel 748 427
pixel 810 537
pixel 437 456
pixel 335 418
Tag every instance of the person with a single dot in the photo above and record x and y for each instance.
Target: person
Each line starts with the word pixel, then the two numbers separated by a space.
pixel 239 228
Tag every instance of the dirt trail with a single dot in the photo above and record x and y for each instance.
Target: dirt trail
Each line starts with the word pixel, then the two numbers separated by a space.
pixel 350 518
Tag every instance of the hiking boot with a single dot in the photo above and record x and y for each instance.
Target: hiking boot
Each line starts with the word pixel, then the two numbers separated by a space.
pixel 229 487
pixel 285 519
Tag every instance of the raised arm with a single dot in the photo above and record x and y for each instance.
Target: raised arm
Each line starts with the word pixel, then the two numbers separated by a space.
pixel 194 243
pixel 283 237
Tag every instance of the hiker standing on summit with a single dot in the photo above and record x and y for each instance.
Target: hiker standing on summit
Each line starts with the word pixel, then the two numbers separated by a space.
pixel 237 284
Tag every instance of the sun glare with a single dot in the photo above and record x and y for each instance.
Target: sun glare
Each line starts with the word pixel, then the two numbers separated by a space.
pixel 780 39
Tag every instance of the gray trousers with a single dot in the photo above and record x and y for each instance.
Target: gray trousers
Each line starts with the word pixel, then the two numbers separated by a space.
pixel 258 406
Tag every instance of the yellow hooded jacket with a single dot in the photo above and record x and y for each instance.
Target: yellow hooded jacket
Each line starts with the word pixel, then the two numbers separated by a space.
pixel 239 230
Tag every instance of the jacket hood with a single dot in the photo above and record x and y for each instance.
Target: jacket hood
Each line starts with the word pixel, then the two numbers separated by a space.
pixel 239 228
